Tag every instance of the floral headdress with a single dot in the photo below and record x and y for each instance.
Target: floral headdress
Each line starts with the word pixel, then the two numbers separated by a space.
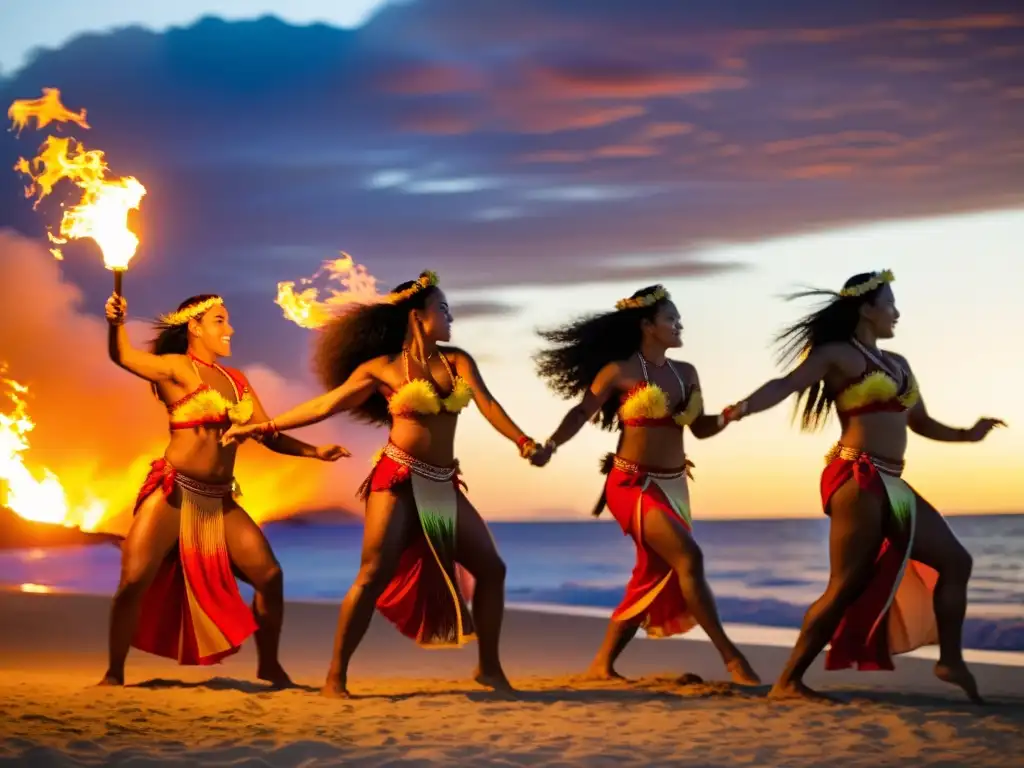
pixel 426 280
pixel 875 281
pixel 182 316
pixel 646 300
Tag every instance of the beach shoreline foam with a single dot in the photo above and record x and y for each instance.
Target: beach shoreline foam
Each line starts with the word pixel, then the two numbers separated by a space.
pixel 418 708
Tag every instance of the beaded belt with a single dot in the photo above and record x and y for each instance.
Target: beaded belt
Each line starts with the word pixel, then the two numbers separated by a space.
pixel 846 453
pixel 633 468
pixel 212 490
pixel 421 468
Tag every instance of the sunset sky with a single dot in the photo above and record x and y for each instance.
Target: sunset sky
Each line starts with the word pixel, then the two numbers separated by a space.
pixel 546 157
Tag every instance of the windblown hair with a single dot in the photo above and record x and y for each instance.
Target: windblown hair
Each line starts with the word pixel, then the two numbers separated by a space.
pixel 581 348
pixel 835 320
pixel 173 339
pixel 361 332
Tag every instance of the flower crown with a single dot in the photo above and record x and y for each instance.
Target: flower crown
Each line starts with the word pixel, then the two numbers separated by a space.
pixel 647 300
pixel 426 280
pixel 873 282
pixel 182 316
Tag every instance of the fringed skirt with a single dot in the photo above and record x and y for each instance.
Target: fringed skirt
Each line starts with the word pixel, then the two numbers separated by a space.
pixel 427 598
pixel 193 611
pixel 895 613
pixel 654 599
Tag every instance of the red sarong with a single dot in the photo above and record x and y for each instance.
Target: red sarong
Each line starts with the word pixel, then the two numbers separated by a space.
pixel 653 598
pixel 895 613
pixel 426 599
pixel 193 611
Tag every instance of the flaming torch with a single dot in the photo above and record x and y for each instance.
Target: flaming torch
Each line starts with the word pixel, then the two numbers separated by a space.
pixel 102 210
pixel 306 309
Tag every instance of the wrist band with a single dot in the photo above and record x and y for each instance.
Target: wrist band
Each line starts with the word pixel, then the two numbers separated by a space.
pixel 527 446
pixel 268 429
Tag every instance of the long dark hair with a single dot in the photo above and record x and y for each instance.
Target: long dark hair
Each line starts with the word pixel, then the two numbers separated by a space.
pixel 835 320
pixel 581 348
pixel 361 332
pixel 173 339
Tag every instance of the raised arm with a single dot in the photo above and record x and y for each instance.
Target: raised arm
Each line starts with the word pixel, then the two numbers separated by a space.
pixel 603 386
pixel 145 365
pixel 811 370
pixel 922 423
pixel 357 388
pixel 491 409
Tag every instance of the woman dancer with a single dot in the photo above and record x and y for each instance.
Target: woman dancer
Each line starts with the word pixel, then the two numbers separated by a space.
pixel 898 576
pixel 186 605
pixel 616 360
pixel 382 362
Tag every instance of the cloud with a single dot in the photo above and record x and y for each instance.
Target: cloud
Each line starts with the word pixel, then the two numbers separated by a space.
pixel 605 80
pixel 98 427
pixel 429 79
pixel 531 114
pixel 844 138
pixel 513 145
pixel 475 309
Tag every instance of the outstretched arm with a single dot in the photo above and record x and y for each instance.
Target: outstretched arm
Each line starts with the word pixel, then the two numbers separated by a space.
pixel 811 370
pixel 601 389
pixel 287 445
pixel 354 392
pixel 145 365
pixel 922 423
pixel 491 409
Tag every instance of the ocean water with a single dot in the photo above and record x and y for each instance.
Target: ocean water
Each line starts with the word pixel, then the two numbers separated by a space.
pixel 763 573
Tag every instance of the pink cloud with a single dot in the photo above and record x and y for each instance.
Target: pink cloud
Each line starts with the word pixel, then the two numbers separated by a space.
pixel 427 78
pixel 625 82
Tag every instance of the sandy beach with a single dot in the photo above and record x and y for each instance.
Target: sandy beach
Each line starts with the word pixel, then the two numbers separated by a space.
pixel 416 707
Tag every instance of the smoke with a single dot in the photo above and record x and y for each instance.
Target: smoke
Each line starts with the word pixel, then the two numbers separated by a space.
pixel 98 427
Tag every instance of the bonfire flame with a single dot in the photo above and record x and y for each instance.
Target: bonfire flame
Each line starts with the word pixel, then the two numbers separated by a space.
pixel 102 211
pixel 42 498
pixel 305 308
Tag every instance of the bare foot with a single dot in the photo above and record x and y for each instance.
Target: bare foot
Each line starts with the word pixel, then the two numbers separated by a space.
pixel 496 680
pixel 602 672
pixel 798 690
pixel 335 689
pixel 275 675
pixel 688 678
pixel 110 680
pixel 959 675
pixel 741 672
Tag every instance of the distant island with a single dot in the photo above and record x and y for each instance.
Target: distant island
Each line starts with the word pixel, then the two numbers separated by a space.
pixel 325 516
pixel 18 533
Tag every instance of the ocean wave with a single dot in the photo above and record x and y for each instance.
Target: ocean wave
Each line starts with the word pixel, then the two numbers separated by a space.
pixel 980 632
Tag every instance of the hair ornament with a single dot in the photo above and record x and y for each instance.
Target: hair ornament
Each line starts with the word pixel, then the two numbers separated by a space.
pixel 426 280
pixel 646 300
pixel 875 281
pixel 182 316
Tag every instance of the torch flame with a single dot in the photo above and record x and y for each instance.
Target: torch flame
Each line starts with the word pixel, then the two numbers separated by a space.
pixel 41 499
pixel 102 211
pixel 304 307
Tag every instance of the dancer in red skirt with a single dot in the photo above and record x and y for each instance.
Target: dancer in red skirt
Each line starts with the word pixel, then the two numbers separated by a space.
pixel 177 595
pixel 383 363
pixel 898 573
pixel 616 361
